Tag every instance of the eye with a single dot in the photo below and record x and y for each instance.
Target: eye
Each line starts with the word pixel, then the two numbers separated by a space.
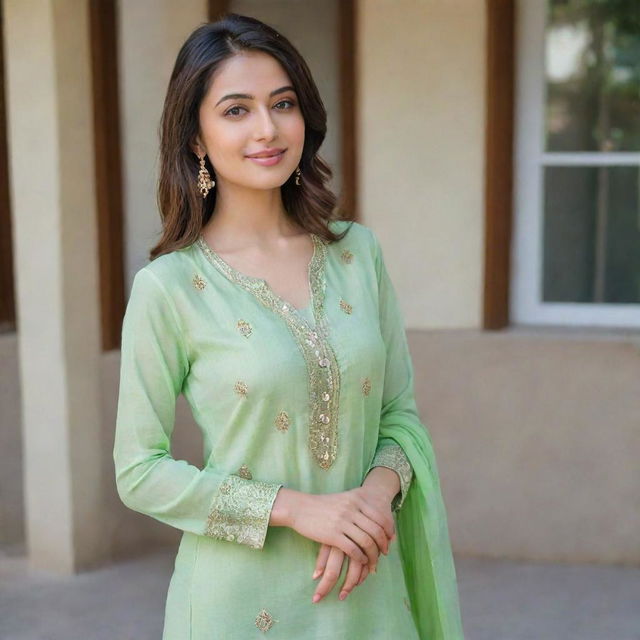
pixel 290 102
pixel 228 112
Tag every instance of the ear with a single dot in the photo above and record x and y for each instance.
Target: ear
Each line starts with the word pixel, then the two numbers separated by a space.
pixel 197 147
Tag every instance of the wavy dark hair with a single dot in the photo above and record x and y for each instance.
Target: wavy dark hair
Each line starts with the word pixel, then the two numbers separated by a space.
pixel 182 208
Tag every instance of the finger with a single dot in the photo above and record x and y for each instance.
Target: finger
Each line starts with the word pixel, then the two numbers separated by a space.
pixel 351 580
pixel 331 574
pixel 365 542
pixel 321 561
pixel 350 548
pixel 364 573
pixel 385 520
pixel 374 530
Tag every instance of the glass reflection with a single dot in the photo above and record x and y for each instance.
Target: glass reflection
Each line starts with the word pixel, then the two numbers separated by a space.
pixel 592 75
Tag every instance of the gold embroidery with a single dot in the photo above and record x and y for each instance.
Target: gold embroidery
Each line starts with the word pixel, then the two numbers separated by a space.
pixel 198 282
pixel 282 421
pixel 394 457
pixel 244 328
pixel 319 356
pixel 241 388
pixel 366 386
pixel 345 306
pixel 264 620
pixel 244 472
pixel 406 603
pixel 346 256
pixel 241 510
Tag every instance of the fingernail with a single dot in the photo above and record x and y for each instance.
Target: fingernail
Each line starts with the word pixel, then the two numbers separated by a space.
pixel 374 569
pixel 316 573
pixel 343 595
pixel 316 597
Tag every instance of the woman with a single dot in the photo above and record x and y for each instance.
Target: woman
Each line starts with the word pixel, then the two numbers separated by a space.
pixel 281 327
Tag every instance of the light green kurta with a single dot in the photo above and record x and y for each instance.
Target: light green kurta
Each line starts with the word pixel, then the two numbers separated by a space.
pixel 283 397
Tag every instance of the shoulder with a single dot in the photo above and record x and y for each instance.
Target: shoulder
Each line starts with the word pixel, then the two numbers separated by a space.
pixel 357 234
pixel 159 281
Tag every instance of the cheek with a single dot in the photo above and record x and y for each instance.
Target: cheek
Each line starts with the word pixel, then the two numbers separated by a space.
pixel 295 129
pixel 226 143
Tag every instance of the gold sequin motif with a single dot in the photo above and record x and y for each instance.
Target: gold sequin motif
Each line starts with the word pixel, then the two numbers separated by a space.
pixel 244 472
pixel 282 421
pixel 244 328
pixel 346 256
pixel 264 620
pixel 366 386
pixel 241 388
pixel 198 282
pixel 313 342
pixel 345 306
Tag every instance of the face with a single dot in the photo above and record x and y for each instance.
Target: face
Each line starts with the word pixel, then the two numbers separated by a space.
pixel 231 128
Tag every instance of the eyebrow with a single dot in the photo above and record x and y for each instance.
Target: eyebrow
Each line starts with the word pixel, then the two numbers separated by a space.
pixel 235 96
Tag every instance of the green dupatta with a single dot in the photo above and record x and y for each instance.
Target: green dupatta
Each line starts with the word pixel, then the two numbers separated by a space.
pixel 423 533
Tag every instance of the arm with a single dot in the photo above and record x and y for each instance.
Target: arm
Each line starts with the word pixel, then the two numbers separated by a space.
pixel 398 397
pixel 154 365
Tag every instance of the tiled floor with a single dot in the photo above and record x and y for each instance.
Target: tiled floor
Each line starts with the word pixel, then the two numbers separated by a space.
pixel 500 600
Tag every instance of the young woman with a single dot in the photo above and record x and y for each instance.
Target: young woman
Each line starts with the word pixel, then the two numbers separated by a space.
pixel 279 324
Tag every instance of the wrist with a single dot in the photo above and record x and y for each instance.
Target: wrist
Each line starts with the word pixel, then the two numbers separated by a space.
pixel 284 507
pixel 383 480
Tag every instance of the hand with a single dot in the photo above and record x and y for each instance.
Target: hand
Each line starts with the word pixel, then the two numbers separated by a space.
pixel 330 559
pixel 358 522
pixel 329 565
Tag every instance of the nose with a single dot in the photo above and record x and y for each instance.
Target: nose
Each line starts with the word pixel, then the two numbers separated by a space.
pixel 266 127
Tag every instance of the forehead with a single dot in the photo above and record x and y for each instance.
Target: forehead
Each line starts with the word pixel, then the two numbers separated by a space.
pixel 252 72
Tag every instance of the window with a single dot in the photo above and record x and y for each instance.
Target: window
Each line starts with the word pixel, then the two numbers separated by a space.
pixel 576 252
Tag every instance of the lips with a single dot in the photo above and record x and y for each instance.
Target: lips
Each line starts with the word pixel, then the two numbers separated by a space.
pixel 266 153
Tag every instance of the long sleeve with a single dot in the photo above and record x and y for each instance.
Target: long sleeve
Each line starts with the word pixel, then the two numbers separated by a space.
pixel 398 397
pixel 155 362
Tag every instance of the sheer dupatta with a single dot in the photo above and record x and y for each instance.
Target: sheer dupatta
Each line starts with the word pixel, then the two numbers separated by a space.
pixel 423 535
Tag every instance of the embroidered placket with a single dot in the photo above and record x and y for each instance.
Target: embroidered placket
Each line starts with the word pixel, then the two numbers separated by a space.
pixel 313 342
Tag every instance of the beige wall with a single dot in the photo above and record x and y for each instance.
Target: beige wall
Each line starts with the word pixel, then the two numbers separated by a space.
pixel 421 101
pixel 537 441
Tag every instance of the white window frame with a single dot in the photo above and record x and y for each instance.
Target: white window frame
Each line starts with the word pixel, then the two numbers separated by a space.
pixel 530 160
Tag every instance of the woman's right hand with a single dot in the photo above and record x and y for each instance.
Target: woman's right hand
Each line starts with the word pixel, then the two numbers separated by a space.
pixel 344 520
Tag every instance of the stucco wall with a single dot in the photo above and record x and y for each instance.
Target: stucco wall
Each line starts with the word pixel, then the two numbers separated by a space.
pixel 421 124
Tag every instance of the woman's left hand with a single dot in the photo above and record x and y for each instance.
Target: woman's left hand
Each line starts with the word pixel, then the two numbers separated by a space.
pixel 330 559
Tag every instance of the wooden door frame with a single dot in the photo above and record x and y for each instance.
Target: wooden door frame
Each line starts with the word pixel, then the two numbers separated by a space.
pixel 498 150
pixel 108 168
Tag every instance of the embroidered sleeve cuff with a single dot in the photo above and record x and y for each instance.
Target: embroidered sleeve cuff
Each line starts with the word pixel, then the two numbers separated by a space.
pixel 394 457
pixel 241 510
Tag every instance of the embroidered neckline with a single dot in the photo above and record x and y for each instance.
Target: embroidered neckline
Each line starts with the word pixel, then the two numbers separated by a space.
pixel 313 342
pixel 253 282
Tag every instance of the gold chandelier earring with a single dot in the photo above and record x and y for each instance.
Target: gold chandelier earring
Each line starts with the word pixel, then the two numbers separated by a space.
pixel 298 174
pixel 204 179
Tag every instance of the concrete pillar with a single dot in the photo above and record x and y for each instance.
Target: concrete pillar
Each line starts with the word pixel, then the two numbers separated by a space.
pixel 51 149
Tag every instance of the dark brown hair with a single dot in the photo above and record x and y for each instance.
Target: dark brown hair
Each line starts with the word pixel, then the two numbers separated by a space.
pixel 182 208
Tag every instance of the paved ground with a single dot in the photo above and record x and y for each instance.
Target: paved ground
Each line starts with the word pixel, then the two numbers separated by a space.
pixel 500 601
